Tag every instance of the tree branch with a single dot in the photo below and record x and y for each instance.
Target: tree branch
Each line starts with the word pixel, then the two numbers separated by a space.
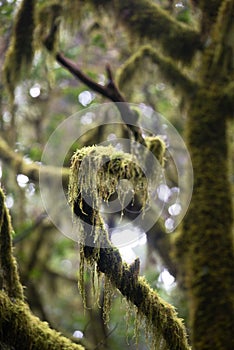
pixel 109 91
pixel 32 170
pixel 9 278
pixel 167 68
pixel 19 327
pixel 160 316
pixel 144 19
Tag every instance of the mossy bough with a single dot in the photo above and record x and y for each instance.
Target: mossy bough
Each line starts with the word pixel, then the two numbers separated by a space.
pixel 145 19
pixel 160 318
pixel 19 328
pixel 168 69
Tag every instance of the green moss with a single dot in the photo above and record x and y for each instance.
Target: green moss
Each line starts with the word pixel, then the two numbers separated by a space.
pixel 108 295
pixel 145 19
pixel 8 268
pixel 18 327
pixel 97 170
pixel 157 147
pixel 205 247
pixel 21 50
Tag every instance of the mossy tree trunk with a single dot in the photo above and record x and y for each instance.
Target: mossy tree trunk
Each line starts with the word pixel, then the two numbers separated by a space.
pixel 205 249
pixel 205 246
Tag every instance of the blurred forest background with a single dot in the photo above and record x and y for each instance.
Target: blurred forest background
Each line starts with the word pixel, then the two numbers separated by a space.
pixel 36 101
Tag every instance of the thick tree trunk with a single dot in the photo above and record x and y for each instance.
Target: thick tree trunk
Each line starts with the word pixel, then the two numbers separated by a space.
pixel 206 243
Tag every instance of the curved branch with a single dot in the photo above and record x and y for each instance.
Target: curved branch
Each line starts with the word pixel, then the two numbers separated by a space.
pixel 19 326
pixel 160 316
pixel 145 19
pixel 167 68
pixel 32 170
pixel 110 91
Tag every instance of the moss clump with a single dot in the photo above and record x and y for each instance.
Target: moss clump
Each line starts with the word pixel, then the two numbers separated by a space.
pixel 157 147
pixel 96 172
pixel 21 50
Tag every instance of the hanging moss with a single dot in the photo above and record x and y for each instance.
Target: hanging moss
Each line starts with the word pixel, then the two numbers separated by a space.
pixel 21 50
pixel 72 13
pixel 48 21
pixel 95 172
pixel 107 302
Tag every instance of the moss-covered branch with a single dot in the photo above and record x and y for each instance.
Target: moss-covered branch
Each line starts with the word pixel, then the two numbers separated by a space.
pixel 167 68
pixel 145 19
pixel 228 100
pixel 218 57
pixel 32 170
pixel 209 13
pixel 95 173
pixel 160 317
pixel 20 329
pixel 8 269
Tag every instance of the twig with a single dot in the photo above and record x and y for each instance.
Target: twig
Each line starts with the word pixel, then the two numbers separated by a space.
pixel 110 91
